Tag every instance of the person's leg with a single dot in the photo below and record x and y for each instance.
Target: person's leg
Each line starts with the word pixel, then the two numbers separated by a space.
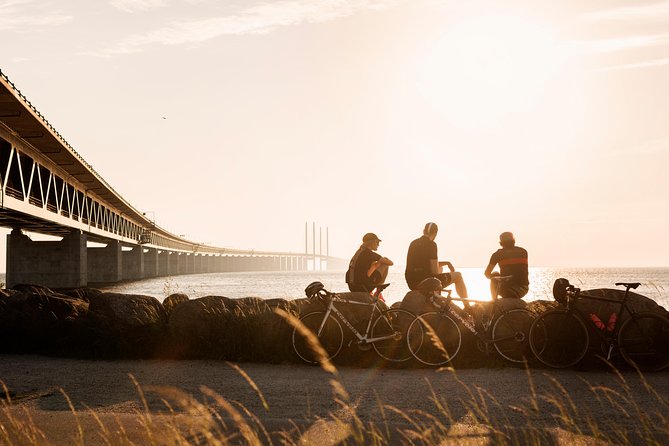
pixel 513 291
pixel 383 273
pixel 495 285
pixel 459 282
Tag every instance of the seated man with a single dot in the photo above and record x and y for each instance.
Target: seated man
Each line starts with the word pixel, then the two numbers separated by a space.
pixel 367 268
pixel 422 263
pixel 512 261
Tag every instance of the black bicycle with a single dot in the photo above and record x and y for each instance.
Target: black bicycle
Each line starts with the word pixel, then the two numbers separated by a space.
pixel 559 338
pixel 434 338
pixel 385 329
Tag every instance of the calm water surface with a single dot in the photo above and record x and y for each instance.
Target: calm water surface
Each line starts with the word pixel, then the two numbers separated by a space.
pixel 290 285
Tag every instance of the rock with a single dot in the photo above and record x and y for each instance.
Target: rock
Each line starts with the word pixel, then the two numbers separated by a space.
pixel 125 325
pixel 40 323
pixel 83 293
pixel 34 289
pixel 218 327
pixel 200 328
pixel 172 301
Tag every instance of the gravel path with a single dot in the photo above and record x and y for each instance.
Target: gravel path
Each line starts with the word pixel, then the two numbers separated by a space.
pixel 554 405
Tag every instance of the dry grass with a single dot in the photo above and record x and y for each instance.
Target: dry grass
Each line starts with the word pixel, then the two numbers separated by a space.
pixel 210 419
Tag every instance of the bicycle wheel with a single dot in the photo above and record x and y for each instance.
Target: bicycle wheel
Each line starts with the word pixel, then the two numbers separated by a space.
pixel 393 322
pixel 559 338
pixel 510 335
pixel 644 342
pixel 434 338
pixel 329 334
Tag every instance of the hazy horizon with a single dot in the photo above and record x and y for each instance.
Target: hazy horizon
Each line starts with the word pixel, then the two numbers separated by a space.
pixel 235 123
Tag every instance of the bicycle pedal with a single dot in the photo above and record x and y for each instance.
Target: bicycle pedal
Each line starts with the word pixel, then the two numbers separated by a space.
pixel 397 336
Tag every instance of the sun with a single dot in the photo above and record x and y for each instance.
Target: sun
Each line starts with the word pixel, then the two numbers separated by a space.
pixel 486 67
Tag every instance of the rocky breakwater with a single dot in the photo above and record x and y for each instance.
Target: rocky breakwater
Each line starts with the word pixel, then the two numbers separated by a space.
pixel 89 323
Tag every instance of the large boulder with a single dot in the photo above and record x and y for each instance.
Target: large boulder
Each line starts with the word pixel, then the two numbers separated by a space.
pixel 201 328
pixel 84 293
pixel 33 289
pixel 218 327
pixel 125 325
pixel 172 301
pixel 39 322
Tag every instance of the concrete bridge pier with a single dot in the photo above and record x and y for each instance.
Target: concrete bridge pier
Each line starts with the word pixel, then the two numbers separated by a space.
pixel 163 259
pixel 56 264
pixel 173 264
pixel 205 263
pixel 133 263
pixel 197 263
pixel 225 262
pixel 218 264
pixel 150 258
pixel 105 264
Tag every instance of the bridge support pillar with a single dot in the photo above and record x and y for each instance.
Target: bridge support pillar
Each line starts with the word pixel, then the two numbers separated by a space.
pixel 133 263
pixel 197 263
pixel 58 264
pixel 163 258
pixel 150 259
pixel 105 264
pixel 190 263
pixel 173 264
pixel 220 262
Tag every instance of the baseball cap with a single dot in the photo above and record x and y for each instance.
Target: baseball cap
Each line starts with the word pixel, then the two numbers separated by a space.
pixel 369 237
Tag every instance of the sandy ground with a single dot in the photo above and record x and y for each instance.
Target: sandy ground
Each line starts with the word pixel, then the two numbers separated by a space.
pixel 479 401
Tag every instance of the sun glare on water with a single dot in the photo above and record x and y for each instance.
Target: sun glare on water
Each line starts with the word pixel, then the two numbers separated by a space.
pixel 487 67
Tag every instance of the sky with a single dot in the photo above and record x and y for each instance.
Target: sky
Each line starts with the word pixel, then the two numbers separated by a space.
pixel 236 122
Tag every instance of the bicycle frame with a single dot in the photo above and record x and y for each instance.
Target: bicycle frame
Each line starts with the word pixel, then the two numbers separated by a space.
pixel 362 338
pixel 448 308
pixel 610 337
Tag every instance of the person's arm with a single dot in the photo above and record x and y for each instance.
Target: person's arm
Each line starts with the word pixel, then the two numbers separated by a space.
pixel 435 267
pixel 450 266
pixel 377 263
pixel 490 267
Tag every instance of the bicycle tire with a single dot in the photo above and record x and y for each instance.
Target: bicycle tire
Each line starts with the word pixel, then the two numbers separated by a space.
pixel 391 321
pixel 434 338
pixel 331 337
pixel 643 341
pixel 511 333
pixel 559 338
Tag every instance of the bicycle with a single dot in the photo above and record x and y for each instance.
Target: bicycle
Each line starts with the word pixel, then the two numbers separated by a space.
pixel 434 338
pixel 385 332
pixel 559 338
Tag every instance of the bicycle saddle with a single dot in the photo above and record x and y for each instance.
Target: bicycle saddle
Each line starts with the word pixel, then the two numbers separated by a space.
pixel 633 285
pixel 380 287
pixel 430 285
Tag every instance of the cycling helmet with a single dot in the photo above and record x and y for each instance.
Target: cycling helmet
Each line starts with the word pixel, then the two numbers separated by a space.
pixel 430 285
pixel 560 287
pixel 313 289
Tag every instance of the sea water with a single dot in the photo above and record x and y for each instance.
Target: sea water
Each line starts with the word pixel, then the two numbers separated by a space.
pixel 290 285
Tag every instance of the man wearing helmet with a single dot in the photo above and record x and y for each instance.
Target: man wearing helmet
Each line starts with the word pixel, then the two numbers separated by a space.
pixel 367 268
pixel 422 262
pixel 512 261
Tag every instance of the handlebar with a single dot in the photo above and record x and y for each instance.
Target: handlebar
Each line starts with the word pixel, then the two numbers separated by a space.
pixel 628 285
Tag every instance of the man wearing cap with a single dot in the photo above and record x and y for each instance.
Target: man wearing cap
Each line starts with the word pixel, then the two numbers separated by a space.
pixel 512 261
pixel 422 262
pixel 367 268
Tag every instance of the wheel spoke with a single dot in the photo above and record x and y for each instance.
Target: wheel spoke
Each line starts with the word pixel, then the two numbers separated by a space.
pixel 392 326
pixel 330 339
pixel 434 338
